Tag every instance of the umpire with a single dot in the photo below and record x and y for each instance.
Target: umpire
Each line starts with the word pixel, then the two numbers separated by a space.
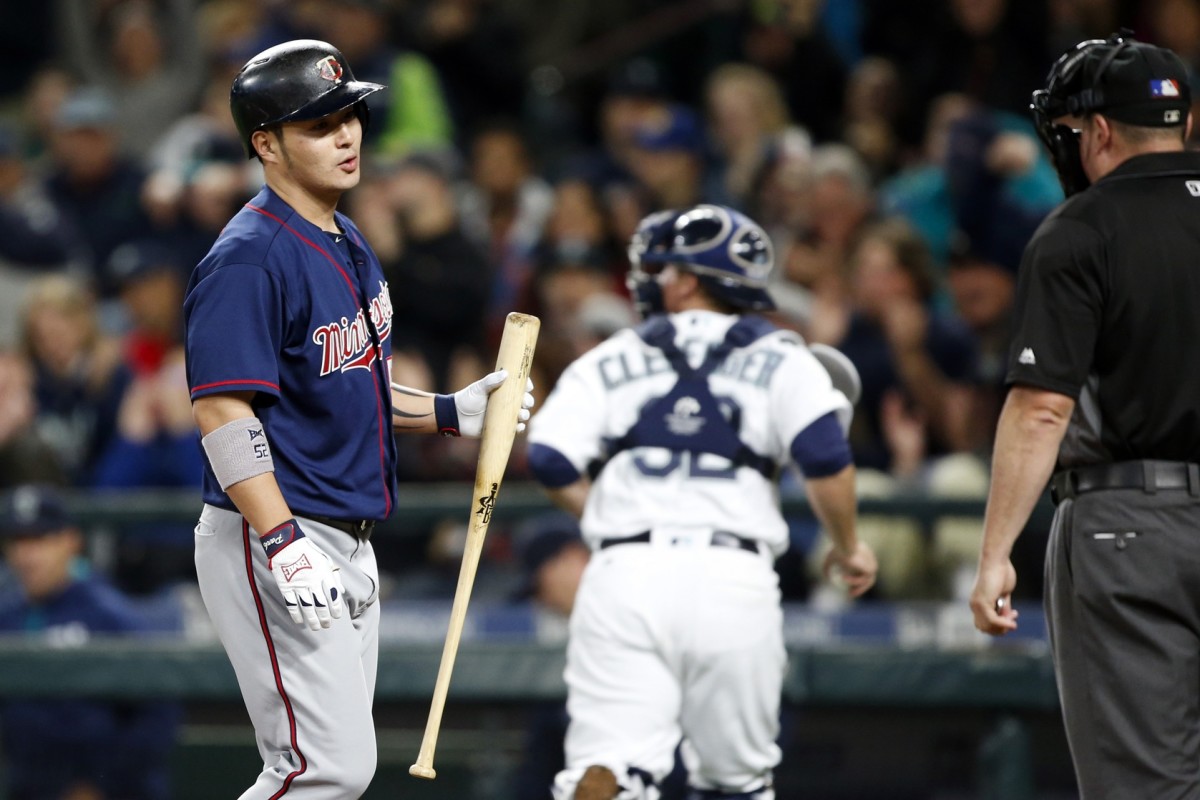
pixel 1104 404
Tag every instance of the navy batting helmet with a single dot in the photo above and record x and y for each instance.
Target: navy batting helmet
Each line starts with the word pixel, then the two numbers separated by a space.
pixel 729 252
pixel 297 80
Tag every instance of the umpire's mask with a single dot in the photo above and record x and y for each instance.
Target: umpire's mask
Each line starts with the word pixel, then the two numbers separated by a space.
pixel 1127 80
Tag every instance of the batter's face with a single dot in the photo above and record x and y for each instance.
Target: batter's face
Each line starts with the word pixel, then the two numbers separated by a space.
pixel 318 156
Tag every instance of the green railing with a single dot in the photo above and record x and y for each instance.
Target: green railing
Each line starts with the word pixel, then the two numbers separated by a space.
pixel 426 502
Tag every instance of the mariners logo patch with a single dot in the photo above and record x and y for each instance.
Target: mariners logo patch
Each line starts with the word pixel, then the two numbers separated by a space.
pixel 684 419
pixel 329 69
pixel 299 565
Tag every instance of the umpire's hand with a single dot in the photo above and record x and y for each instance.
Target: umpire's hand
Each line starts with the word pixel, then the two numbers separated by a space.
pixel 991 599
pixel 310 584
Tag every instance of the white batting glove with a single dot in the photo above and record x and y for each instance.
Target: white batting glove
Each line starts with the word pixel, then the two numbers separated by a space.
pixel 310 584
pixel 470 405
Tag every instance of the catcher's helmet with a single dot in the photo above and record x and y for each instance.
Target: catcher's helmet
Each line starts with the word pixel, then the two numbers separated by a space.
pixel 1120 77
pixel 653 232
pixel 297 80
pixel 729 252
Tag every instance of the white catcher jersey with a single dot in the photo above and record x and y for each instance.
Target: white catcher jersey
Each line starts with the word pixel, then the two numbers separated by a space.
pixel 771 389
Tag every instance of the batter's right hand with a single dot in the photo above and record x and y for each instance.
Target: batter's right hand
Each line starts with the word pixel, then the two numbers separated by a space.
pixel 310 584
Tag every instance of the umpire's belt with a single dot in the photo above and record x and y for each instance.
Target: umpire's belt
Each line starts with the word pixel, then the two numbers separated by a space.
pixel 718 539
pixel 358 528
pixel 1149 476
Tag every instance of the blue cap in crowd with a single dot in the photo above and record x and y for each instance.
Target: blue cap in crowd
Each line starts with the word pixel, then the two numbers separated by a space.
pixel 681 130
pixel 32 510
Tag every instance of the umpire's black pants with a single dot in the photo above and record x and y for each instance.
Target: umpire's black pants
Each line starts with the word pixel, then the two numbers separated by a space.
pixel 1123 607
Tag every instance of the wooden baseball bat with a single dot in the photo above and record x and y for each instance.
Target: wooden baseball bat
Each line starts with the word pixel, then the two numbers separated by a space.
pixel 495 445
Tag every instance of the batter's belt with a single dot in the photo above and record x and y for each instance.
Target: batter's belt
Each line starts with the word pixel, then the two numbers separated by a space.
pixel 358 528
pixel 1148 475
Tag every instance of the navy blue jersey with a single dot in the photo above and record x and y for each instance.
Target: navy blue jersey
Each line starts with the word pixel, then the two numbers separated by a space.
pixel 277 308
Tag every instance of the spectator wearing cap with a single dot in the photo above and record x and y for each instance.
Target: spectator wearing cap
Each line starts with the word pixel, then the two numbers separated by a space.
pixel 59 748
pixel 668 159
pixel 635 96
pixel 96 188
pixel 37 239
pixel 553 557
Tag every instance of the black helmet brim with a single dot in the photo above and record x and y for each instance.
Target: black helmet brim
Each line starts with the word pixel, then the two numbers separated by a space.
pixel 337 98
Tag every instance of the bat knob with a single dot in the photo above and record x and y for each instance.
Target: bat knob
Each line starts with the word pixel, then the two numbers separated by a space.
pixel 418 771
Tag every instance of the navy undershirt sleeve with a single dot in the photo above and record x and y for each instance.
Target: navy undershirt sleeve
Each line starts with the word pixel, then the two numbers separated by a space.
pixel 550 467
pixel 821 449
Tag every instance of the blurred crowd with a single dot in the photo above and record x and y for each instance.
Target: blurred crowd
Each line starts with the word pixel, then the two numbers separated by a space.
pixel 885 146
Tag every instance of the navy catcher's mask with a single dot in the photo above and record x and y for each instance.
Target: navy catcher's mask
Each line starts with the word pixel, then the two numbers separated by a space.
pixel 653 232
pixel 729 252
pixel 1126 80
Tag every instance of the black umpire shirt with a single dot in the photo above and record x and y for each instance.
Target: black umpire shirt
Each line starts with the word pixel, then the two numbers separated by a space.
pixel 1108 312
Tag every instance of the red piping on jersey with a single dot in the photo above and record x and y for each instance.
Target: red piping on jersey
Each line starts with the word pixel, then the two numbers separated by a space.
pixel 387 494
pixel 287 702
pixel 311 244
pixel 202 387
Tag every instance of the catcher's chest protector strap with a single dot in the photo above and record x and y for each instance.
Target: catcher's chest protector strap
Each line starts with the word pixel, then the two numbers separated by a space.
pixel 689 417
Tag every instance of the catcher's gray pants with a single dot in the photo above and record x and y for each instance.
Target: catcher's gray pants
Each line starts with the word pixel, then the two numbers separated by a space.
pixel 309 693
pixel 1123 607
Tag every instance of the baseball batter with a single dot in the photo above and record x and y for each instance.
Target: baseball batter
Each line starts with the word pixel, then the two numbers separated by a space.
pixel 677 630
pixel 288 356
